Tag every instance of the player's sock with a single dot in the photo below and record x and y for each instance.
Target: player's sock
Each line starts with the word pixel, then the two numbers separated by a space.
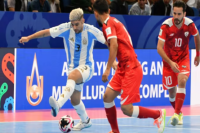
pixel 67 92
pixel 111 114
pixel 80 110
pixel 172 101
pixel 141 112
pixel 180 97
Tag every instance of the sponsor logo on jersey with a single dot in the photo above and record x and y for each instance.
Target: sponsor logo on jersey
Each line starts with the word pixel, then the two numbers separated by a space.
pixel 171 34
pixel 108 31
pixel 183 66
pixel 72 39
pixel 160 33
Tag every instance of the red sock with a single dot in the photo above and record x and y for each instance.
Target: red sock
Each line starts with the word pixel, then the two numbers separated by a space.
pixel 180 97
pixel 145 112
pixel 173 104
pixel 111 114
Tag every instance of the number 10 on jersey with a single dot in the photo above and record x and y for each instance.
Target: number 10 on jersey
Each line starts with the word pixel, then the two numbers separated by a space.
pixel 178 42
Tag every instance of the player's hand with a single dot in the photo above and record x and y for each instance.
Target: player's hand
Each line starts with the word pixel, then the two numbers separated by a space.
pixel 174 67
pixel 105 76
pixel 196 61
pixel 23 40
pixel 115 65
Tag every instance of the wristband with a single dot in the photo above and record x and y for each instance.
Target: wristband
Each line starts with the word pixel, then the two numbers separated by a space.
pixel 197 53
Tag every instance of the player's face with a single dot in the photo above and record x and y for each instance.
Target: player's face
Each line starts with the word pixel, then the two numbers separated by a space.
pixel 96 14
pixel 178 15
pixel 77 25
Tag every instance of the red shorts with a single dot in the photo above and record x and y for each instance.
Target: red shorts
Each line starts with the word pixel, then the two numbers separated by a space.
pixel 127 81
pixel 170 78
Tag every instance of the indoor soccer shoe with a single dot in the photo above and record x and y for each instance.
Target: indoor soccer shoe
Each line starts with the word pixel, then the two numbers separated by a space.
pixel 180 119
pixel 160 122
pixel 174 119
pixel 81 125
pixel 54 106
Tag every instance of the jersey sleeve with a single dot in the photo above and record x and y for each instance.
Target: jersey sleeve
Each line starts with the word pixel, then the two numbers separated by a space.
pixel 193 29
pixel 110 31
pixel 98 35
pixel 162 33
pixel 58 30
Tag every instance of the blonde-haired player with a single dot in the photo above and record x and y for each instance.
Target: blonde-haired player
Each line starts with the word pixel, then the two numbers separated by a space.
pixel 78 40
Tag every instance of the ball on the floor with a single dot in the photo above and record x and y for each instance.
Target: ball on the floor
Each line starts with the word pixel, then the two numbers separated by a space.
pixel 66 123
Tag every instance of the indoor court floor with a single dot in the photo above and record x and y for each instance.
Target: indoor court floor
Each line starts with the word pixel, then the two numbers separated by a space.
pixel 41 121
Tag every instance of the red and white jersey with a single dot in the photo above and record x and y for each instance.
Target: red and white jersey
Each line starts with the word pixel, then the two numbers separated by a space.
pixel 112 28
pixel 177 40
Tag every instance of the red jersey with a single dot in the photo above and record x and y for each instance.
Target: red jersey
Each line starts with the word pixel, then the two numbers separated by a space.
pixel 177 40
pixel 112 28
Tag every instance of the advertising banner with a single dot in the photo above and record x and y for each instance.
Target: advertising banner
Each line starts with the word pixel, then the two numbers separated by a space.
pixel 7 66
pixel 195 80
pixel 41 73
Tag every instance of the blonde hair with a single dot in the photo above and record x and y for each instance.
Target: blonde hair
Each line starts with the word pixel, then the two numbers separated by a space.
pixel 76 14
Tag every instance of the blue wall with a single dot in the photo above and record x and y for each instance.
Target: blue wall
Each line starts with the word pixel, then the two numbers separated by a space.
pixel 143 29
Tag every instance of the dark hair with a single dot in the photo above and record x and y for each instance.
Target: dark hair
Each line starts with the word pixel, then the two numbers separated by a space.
pixel 101 6
pixel 180 3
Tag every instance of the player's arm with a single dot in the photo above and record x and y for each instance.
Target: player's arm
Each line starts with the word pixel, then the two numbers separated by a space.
pixel 197 45
pixel 164 56
pixel 112 56
pixel 162 52
pixel 39 34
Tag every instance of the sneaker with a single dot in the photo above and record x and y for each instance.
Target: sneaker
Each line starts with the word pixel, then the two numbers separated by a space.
pixel 174 119
pixel 81 125
pixel 160 122
pixel 180 119
pixel 54 106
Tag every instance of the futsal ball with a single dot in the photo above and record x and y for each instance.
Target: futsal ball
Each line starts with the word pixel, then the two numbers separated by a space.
pixel 66 123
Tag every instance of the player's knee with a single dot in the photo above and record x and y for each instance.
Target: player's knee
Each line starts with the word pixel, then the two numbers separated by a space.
pixel 106 98
pixel 182 82
pixel 126 110
pixel 75 102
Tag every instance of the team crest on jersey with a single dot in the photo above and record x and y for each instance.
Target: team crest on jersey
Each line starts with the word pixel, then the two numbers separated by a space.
pixel 186 33
pixel 72 39
pixel 171 34
pixel 84 41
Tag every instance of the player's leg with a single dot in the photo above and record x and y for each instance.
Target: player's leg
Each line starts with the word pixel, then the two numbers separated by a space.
pixel 76 76
pixel 131 94
pixel 172 95
pixel 169 83
pixel 184 68
pixel 110 108
pixel 169 80
pixel 79 106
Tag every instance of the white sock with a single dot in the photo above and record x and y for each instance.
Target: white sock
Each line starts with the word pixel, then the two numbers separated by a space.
pixel 109 105
pixel 80 109
pixel 66 94
pixel 135 111
pixel 172 99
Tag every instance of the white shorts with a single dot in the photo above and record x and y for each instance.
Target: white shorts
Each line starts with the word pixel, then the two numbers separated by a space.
pixel 86 72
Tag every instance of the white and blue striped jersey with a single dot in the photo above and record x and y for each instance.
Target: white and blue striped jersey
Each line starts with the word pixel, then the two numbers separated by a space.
pixel 78 47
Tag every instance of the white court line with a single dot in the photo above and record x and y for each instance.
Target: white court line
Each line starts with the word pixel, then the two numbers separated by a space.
pixel 180 128
pixel 91 119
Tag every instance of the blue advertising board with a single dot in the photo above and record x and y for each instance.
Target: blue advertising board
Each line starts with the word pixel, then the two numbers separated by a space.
pixel 142 29
pixel 41 73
